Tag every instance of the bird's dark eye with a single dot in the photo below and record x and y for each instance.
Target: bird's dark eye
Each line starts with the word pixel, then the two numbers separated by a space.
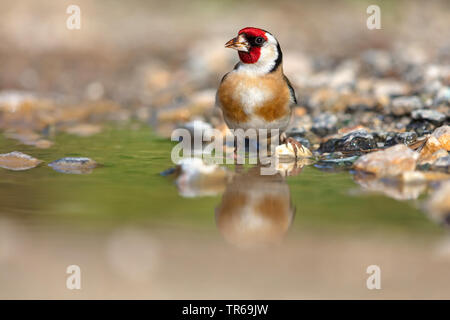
pixel 259 40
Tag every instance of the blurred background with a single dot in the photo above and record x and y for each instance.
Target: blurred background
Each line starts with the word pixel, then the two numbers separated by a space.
pixel 115 89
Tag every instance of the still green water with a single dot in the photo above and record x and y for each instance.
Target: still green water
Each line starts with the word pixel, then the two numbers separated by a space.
pixel 128 188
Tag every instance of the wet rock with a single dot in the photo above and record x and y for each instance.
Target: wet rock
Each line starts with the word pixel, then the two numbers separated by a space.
pixel 195 178
pixel 442 164
pixel 381 137
pixel 324 124
pixel 336 164
pixel 430 115
pixel 389 162
pixel 18 161
pixel 432 158
pixel 73 165
pixel 430 151
pixel 438 205
pixel 405 105
pixel 443 135
pixel 421 127
pixel 286 152
pixel 404 137
pixel 352 142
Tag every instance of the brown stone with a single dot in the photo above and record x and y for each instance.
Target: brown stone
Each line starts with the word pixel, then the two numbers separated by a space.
pixel 443 135
pixel 389 162
pixel 18 161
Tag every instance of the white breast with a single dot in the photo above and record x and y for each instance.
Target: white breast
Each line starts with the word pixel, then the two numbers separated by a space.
pixel 251 96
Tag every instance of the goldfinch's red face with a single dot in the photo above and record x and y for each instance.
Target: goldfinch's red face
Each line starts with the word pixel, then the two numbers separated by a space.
pixel 255 46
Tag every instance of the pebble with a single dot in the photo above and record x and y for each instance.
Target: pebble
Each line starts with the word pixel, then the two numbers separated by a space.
pixel 421 127
pixel 286 152
pixel 443 135
pixel 352 142
pixel 405 105
pixel 18 161
pixel 430 115
pixel 404 137
pixel 431 151
pixel 335 164
pixel 73 165
pixel 389 162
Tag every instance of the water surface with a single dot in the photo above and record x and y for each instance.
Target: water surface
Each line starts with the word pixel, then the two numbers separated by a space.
pixel 127 227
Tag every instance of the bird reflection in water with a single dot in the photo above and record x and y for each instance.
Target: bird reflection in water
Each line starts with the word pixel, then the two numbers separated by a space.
pixel 255 209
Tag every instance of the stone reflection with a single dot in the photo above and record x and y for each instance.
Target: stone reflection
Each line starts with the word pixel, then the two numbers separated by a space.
pixel 255 209
pixel 396 189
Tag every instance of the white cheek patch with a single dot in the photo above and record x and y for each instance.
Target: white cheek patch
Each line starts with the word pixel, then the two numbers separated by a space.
pixel 268 55
pixel 251 97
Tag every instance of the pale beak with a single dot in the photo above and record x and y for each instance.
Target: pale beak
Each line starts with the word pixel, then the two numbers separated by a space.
pixel 239 43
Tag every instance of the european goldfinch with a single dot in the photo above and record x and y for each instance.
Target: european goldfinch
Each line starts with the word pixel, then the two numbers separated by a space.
pixel 257 94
